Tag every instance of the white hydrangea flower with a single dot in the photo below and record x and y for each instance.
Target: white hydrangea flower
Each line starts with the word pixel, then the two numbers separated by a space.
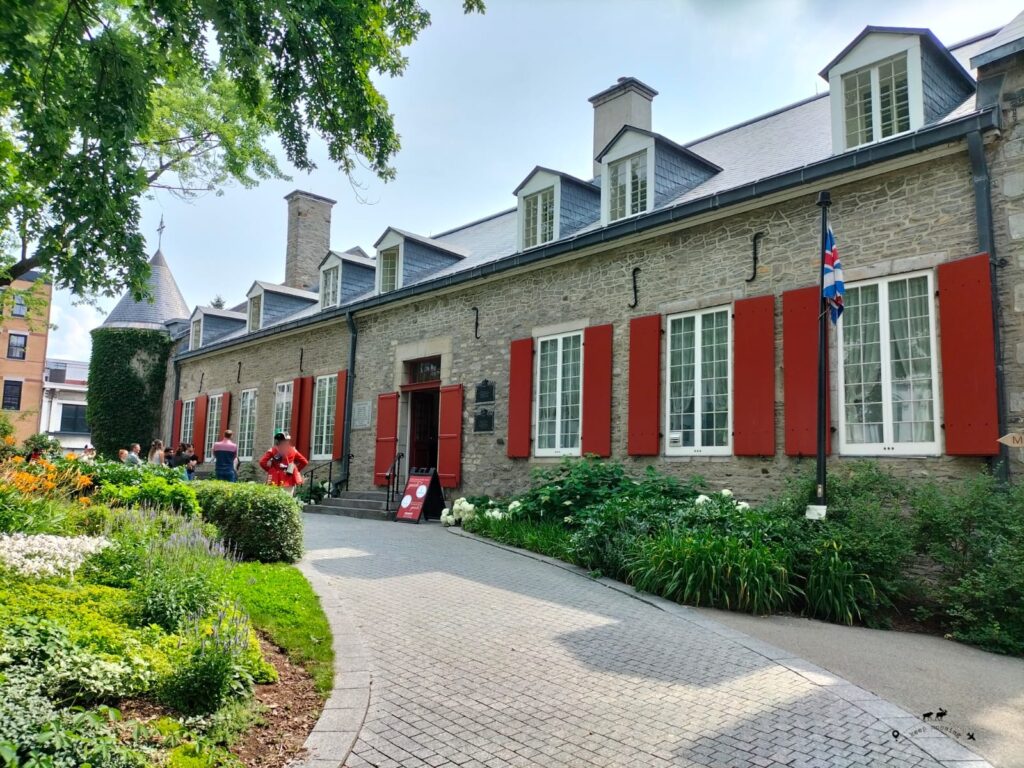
pixel 742 505
pixel 702 499
pixel 43 556
pixel 494 514
pixel 726 492
pixel 514 506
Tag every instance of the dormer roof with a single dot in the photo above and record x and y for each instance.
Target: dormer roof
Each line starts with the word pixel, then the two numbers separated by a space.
pixel 560 174
pixel 355 255
pixel 283 289
pixel 214 312
pixel 664 141
pixel 440 245
pixel 1006 42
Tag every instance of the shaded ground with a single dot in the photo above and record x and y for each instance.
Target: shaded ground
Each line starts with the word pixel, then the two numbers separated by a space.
pixel 982 692
pixel 483 657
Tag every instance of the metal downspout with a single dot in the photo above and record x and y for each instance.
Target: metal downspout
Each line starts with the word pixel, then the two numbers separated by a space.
pixel 177 393
pixel 350 388
pixel 987 244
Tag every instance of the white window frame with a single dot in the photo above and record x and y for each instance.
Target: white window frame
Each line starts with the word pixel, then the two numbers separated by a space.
pixel 697 449
pixel 212 425
pixel 195 340
pixel 627 162
pixel 248 313
pixel 283 406
pixel 873 51
pixel 397 250
pixel 188 416
pixel 538 199
pixel 322 443
pixel 628 145
pixel 248 400
pixel 332 300
pixel 558 450
pixel 888 446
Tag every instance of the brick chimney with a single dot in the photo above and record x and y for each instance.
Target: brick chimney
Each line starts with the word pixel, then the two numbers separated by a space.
pixel 628 102
pixel 309 238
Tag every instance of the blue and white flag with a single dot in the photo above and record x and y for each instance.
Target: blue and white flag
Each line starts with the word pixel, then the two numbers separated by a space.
pixel 833 288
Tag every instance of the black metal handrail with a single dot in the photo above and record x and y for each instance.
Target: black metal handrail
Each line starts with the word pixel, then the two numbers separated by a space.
pixel 392 476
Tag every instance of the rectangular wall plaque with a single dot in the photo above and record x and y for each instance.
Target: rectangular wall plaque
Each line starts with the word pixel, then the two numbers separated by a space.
pixel 361 412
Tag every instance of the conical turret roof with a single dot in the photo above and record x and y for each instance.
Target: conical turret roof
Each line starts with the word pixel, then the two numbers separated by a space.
pixel 164 305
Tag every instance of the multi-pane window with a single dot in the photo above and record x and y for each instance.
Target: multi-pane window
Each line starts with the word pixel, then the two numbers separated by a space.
pixel 697 413
pixel 188 420
pixel 388 269
pixel 559 394
pixel 72 419
pixel 246 423
pixel 324 398
pixel 256 312
pixel 213 412
pixel 539 218
pixel 888 368
pixel 196 338
pixel 876 102
pixel 627 186
pixel 329 287
pixel 17 344
pixel 20 309
pixel 12 395
pixel 283 407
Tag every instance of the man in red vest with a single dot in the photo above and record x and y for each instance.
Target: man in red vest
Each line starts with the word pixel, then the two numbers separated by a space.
pixel 283 464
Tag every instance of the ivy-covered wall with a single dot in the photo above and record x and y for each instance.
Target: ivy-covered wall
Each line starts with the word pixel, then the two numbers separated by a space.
pixel 126 386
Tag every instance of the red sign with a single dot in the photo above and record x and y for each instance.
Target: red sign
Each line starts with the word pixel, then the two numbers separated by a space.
pixel 422 497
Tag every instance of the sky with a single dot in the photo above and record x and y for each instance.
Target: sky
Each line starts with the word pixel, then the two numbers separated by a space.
pixel 485 98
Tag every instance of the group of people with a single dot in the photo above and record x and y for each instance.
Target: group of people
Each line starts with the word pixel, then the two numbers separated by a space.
pixel 282 463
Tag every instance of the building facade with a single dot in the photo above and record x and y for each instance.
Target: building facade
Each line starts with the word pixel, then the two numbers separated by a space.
pixel 24 332
pixel 65 396
pixel 664 312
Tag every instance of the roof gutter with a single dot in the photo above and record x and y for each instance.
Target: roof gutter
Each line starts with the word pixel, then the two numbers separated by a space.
pixel 987 244
pixel 927 138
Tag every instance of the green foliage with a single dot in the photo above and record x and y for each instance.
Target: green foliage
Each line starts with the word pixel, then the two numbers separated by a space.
pixel 127 370
pixel 100 102
pixel 153 492
pixel 547 537
pixel 835 592
pixel 41 444
pixel 281 603
pixel 706 568
pixel 259 522
pixel 105 472
pixel 571 486
pixel 311 493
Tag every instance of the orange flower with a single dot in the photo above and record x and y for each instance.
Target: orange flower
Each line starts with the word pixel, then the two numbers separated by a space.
pixel 17 459
pixel 71 456
pixel 85 501
pixel 83 481
pixel 9 440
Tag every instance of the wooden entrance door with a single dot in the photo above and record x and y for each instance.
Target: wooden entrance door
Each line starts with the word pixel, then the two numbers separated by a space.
pixel 423 428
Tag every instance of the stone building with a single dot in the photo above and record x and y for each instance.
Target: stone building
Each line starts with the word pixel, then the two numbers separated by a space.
pixel 24 333
pixel 664 312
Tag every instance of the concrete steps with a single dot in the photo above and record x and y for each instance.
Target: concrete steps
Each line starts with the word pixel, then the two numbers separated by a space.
pixel 366 505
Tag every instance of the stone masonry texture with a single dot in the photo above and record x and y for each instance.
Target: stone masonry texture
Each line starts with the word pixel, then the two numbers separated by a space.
pixel 914 217
pixel 482 657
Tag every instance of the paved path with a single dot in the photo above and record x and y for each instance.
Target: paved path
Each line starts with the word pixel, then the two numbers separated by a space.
pixel 483 657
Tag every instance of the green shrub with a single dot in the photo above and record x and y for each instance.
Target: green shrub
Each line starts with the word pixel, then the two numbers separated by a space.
pixel 546 537
pixel 834 591
pixel 105 472
pixel 153 492
pixel 572 485
pixel 259 522
pixel 706 568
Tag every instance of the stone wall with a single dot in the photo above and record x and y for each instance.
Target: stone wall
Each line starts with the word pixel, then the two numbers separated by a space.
pixel 906 219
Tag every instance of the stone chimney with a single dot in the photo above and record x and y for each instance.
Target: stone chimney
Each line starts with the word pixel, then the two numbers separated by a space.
pixel 309 238
pixel 628 102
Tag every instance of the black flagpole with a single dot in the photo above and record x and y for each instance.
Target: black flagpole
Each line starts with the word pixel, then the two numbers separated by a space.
pixel 824 201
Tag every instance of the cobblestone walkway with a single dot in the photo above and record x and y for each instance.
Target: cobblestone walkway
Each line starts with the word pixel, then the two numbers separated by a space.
pixel 482 657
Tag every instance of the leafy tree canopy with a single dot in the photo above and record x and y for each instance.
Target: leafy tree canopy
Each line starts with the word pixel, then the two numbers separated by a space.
pixel 102 100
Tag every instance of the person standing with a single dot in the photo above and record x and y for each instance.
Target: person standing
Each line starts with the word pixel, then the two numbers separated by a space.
pixel 133 457
pixel 156 452
pixel 122 455
pixel 283 464
pixel 225 457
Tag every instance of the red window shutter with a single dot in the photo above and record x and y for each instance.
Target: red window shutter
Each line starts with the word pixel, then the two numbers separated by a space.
pixel 305 429
pixel 801 309
pixel 753 366
pixel 387 436
pixel 339 415
pixel 644 437
pixel 449 437
pixel 176 425
pixel 968 357
pixel 295 422
pixel 200 415
pixel 225 411
pixel 520 397
pixel 596 435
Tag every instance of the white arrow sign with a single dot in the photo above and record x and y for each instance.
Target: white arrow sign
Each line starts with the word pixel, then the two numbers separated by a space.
pixel 1014 440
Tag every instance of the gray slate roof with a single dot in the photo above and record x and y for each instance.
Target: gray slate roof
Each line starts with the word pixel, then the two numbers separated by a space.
pixel 1006 42
pixel 165 304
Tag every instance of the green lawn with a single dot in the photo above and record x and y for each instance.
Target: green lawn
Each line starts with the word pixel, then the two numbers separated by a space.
pixel 281 603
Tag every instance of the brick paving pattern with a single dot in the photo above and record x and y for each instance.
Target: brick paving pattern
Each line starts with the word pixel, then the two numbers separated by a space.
pixel 482 657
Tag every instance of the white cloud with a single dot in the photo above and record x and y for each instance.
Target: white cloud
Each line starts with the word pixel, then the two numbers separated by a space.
pixel 71 339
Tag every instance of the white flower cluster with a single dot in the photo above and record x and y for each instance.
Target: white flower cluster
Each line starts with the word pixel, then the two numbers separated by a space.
pixel 461 510
pixel 42 555
pixel 724 493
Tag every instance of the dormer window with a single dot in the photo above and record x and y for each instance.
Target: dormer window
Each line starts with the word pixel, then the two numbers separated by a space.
pixel 196 336
pixel 388 269
pixel 256 312
pixel 539 218
pixel 329 283
pixel 627 186
pixel 876 101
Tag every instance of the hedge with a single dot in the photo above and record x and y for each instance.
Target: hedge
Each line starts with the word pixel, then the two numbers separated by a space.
pixel 260 522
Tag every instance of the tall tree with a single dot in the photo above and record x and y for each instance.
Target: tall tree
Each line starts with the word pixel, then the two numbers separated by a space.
pixel 103 100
